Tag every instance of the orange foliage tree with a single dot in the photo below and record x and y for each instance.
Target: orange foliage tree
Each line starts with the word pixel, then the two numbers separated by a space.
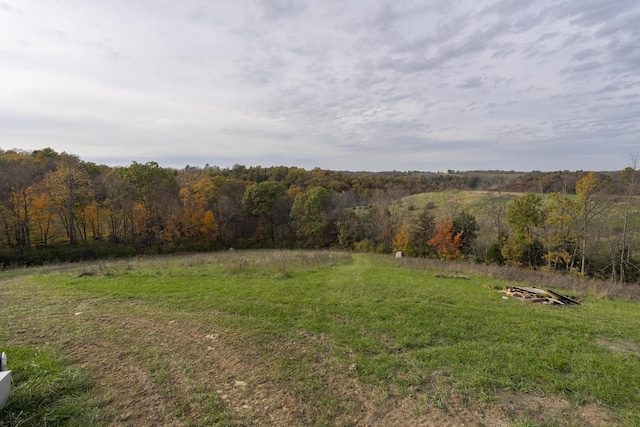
pixel 445 242
pixel 43 216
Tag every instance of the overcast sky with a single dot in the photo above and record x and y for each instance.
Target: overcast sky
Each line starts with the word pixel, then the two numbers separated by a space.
pixel 336 84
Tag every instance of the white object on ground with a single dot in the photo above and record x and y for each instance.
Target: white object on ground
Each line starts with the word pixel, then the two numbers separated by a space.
pixel 5 387
pixel 5 380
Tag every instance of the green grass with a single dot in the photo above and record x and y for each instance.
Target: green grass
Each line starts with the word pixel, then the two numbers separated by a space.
pixel 447 204
pixel 398 327
pixel 46 392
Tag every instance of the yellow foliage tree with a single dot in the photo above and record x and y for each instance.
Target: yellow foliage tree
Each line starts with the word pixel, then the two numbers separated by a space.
pixel 43 215
pixel 198 221
pixel 401 241
pixel 209 228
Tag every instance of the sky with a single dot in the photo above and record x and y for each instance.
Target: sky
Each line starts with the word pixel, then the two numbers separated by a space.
pixel 336 84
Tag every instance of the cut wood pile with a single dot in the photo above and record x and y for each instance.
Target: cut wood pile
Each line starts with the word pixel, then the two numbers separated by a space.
pixel 541 296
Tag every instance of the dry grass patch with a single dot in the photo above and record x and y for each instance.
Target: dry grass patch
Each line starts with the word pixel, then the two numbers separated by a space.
pixel 538 278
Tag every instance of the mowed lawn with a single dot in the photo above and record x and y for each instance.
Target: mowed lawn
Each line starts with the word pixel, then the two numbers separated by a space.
pixel 306 338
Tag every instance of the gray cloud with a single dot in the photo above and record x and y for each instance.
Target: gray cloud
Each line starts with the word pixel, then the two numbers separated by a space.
pixel 594 12
pixel 281 9
pixel 343 85
pixel 472 82
pixel 583 68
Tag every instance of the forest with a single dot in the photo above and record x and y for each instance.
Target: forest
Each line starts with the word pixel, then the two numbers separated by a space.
pixel 57 207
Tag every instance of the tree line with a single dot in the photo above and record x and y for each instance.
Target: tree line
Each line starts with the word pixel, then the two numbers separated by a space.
pixel 54 206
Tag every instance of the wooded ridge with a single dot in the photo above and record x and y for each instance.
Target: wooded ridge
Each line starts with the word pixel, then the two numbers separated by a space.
pixel 54 207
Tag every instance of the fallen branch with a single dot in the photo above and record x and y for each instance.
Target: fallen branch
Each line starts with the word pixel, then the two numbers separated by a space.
pixel 451 276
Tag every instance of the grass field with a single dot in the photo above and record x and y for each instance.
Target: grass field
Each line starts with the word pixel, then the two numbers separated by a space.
pixel 292 338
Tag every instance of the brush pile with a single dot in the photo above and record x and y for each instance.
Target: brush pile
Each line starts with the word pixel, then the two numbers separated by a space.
pixel 541 296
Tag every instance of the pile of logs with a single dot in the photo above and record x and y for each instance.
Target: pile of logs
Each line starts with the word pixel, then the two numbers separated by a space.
pixel 541 296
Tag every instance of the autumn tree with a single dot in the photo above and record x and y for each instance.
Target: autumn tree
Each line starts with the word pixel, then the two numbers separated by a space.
pixel 310 211
pixel 70 189
pixel 579 212
pixel 120 201
pixel 561 239
pixel 19 172
pixel 402 240
pixel 349 229
pixel 447 243
pixel 44 215
pixel 198 220
pixel 386 216
pixel 228 210
pixel 422 232
pixel 97 212
pixel 156 192
pixel 589 206
pixel 496 207
pixel 525 216
pixel 466 223
pixel 387 222
pixel 622 253
pixel 264 201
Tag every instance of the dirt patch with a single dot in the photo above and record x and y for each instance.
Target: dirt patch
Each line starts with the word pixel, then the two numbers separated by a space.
pixel 552 410
pixel 419 411
pixel 619 346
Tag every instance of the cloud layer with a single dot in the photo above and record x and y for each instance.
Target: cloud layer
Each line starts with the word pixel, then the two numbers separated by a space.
pixel 361 85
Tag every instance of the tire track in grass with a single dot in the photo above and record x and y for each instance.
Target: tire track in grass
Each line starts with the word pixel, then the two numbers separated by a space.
pixel 188 369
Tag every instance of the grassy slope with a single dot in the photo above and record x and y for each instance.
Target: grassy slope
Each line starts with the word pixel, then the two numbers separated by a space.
pixel 397 327
pixel 450 203
pixel 447 202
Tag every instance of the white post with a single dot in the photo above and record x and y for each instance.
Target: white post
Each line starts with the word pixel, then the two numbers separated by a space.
pixel 5 381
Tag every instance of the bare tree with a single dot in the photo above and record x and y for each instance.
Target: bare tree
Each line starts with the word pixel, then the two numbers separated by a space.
pixel 496 208
pixel 629 175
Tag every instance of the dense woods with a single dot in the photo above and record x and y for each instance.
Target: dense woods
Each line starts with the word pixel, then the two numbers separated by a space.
pixel 54 206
